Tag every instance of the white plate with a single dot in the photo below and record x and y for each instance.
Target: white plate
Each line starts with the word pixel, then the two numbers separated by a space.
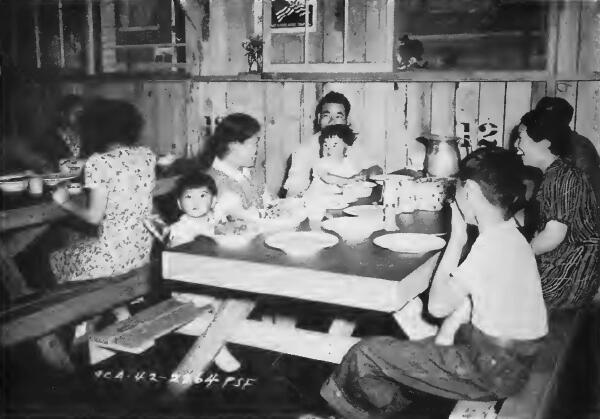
pixel 52 179
pixel 301 243
pixel 371 211
pixel 410 242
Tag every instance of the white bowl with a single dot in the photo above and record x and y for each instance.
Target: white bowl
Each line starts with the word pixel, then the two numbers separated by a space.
pixel 234 241
pixel 301 243
pixel 355 191
pixel 17 185
pixel 75 188
pixel 353 230
pixel 53 179
pixel 274 225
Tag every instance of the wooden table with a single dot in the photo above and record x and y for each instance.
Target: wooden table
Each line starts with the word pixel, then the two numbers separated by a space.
pixel 24 218
pixel 362 277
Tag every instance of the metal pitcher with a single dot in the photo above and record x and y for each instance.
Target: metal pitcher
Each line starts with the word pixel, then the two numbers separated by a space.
pixel 441 156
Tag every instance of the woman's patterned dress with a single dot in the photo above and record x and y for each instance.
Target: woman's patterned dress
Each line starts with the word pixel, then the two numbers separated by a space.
pixel 569 273
pixel 123 243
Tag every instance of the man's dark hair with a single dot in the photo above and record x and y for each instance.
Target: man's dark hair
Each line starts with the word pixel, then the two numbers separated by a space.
pixel 331 97
pixel 500 174
pixel 344 132
pixel 193 180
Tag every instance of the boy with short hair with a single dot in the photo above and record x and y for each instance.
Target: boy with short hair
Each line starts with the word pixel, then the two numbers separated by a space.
pixel 493 353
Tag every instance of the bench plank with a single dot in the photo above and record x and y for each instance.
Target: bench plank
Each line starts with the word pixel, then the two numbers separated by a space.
pixel 50 312
pixel 138 333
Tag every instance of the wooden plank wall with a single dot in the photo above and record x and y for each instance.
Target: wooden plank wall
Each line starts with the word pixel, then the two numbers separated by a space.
pixel 387 115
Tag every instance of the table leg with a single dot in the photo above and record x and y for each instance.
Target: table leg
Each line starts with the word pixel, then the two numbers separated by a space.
pixel 12 278
pixel 228 317
pixel 342 327
pixel 54 353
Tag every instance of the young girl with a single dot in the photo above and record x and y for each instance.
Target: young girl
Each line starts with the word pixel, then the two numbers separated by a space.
pixel 196 197
pixel 494 351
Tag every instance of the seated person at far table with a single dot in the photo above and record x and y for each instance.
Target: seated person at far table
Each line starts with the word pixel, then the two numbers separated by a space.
pixel 334 167
pixel 333 109
pixel 196 196
pixel 495 348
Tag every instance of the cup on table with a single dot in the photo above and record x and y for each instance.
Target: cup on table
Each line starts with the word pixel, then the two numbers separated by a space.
pixel 391 199
pixel 36 186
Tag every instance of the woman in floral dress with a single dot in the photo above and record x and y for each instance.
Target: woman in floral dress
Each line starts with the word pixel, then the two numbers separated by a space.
pixel 120 177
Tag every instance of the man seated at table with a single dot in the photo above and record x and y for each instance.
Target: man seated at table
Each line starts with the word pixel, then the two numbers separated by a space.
pixel 333 108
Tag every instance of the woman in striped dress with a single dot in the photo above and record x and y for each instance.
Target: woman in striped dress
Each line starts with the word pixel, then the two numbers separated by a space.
pixel 567 242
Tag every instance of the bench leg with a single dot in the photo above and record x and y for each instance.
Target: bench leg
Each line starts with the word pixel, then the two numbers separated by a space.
pixel 54 353
pixel 207 346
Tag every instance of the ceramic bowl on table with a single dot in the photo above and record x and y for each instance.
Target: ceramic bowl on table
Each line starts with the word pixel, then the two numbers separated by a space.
pixel 13 185
pixel 75 188
pixel 353 230
pixel 235 234
pixel 301 243
pixel 53 179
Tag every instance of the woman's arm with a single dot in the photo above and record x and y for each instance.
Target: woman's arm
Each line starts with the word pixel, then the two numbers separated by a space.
pixel 445 296
pixel 93 214
pixel 550 237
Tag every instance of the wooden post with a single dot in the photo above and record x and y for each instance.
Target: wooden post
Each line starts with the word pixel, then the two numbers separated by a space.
pixel 61 35
pixel 173 36
pixel 589 45
pixel 568 38
pixel 91 54
pixel 36 29
pixel 108 35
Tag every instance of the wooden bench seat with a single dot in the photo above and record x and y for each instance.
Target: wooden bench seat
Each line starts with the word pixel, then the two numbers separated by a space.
pixel 536 398
pixel 39 315
pixel 139 332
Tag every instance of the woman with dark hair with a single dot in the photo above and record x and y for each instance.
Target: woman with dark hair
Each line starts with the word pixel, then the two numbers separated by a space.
pixel 120 178
pixel 61 142
pixel 500 337
pixel 567 241
pixel 229 152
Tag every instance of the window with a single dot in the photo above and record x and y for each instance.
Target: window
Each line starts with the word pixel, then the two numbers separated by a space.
pixel 488 35
pixel 328 35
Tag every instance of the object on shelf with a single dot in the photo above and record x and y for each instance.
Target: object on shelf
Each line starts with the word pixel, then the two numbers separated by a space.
pixel 254 53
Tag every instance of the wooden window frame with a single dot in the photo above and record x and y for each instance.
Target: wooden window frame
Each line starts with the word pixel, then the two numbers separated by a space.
pixel 384 67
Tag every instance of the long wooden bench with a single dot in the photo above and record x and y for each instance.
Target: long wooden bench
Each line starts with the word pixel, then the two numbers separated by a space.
pixel 139 332
pixel 37 317
pixel 535 400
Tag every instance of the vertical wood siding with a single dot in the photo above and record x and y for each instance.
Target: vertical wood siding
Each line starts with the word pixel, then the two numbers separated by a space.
pixel 388 116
